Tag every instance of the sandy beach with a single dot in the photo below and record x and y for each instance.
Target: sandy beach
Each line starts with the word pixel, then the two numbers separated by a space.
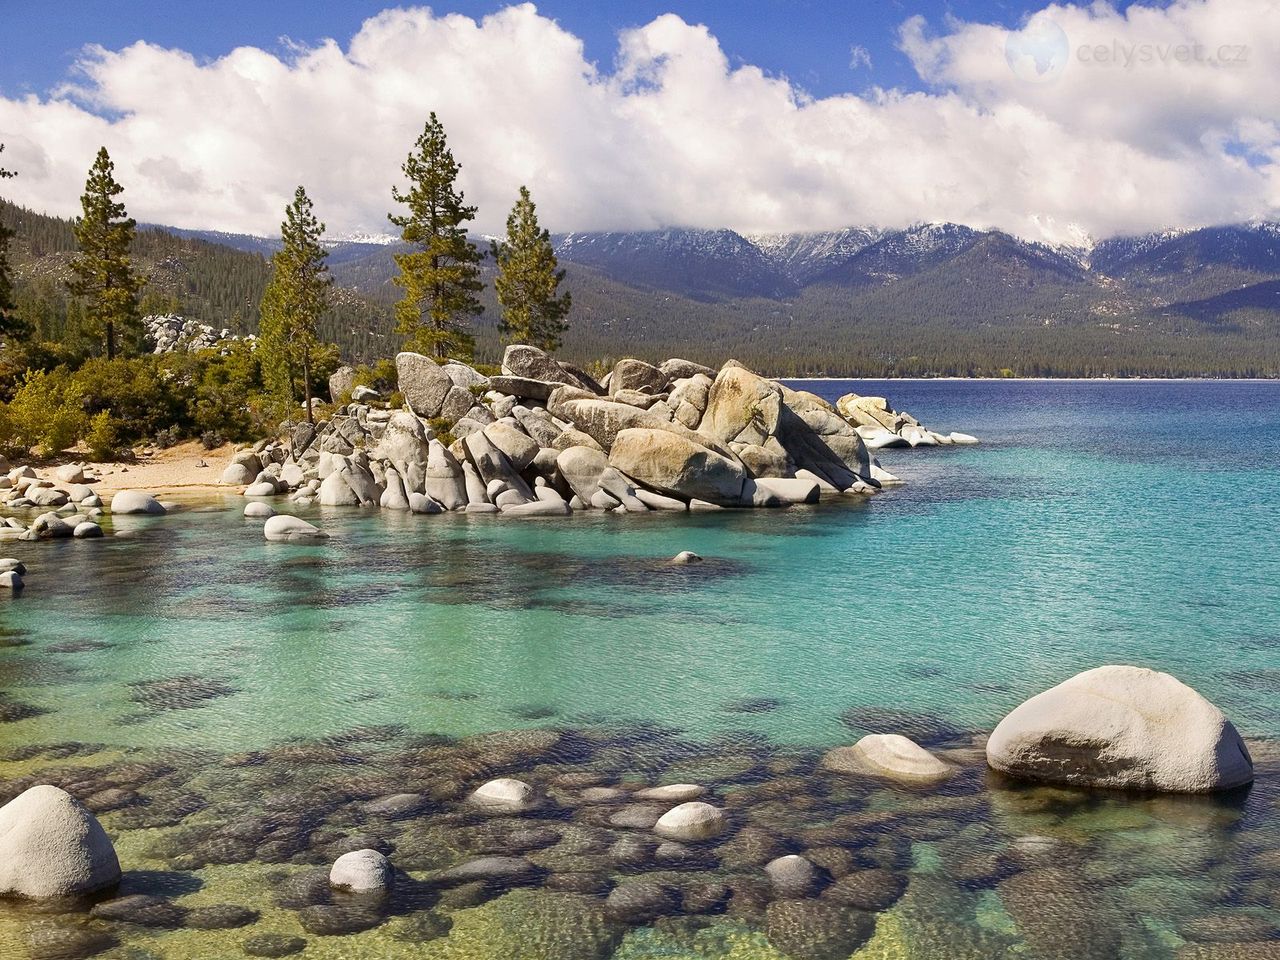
pixel 185 470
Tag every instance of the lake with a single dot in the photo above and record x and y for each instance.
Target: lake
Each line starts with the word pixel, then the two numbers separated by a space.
pixel 185 677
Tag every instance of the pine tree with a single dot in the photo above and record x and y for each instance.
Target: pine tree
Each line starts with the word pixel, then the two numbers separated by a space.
pixel 528 281
pixel 297 294
pixel 103 273
pixel 441 276
pixel 10 325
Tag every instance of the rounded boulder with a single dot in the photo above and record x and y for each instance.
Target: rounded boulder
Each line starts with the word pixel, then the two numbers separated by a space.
pixel 691 821
pixel 52 846
pixel 1124 728
pixel 361 871
pixel 134 501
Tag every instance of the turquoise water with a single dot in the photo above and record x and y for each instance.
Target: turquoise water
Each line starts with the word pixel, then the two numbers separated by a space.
pixel 1096 523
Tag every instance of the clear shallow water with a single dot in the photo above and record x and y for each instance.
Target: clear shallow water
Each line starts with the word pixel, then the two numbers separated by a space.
pixel 1097 522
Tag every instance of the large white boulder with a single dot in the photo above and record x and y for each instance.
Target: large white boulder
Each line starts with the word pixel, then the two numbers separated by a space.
pixel 134 501
pixel 679 467
pixel 423 384
pixel 1122 727
pixel 361 871
pixel 52 846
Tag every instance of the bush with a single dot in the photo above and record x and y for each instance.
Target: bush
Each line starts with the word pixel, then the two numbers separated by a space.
pixel 47 412
pixel 103 436
pixel 443 430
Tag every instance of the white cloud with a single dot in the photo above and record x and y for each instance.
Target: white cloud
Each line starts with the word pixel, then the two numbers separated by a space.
pixel 859 56
pixel 675 135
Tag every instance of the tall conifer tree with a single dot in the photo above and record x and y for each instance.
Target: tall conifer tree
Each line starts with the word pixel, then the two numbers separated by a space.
pixel 103 274
pixel 9 324
pixel 441 275
pixel 296 296
pixel 528 282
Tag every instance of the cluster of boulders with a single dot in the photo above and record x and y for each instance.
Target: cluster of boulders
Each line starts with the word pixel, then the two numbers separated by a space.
pixel 545 439
pixel 485 845
pixel 74 507
pixel 167 333
pixel 447 826
pixel 881 426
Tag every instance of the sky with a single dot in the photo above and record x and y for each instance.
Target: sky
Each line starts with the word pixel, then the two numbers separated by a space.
pixel 1060 123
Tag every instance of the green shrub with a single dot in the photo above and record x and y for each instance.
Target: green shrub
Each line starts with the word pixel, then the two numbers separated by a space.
pixel 103 436
pixel 48 412
pixel 442 429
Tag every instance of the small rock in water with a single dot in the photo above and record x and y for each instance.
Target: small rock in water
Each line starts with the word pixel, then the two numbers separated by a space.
pixel 258 509
pixel 272 945
pixel 672 793
pixel 289 529
pixel 686 556
pixel 691 821
pixel 86 531
pixel 10 580
pixel 505 795
pixel 132 501
pixel 793 876
pixel 361 871
pixel 141 909
pixel 221 916
pixel 889 755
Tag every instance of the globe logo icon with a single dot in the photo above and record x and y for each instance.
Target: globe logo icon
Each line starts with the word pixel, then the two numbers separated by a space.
pixel 1038 52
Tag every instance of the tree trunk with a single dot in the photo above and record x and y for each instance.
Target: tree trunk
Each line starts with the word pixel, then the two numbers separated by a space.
pixel 306 383
pixel 111 340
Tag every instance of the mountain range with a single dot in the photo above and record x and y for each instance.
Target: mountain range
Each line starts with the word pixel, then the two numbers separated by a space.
pixel 930 299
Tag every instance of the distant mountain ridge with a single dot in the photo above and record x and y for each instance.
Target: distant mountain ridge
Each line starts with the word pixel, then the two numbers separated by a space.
pixel 929 299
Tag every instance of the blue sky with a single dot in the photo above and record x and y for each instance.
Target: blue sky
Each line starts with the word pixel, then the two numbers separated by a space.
pixel 1063 122
pixel 810 42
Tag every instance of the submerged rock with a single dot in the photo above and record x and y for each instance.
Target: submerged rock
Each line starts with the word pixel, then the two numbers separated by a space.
pixel 1122 727
pixel 505 795
pixel 531 925
pixel 691 821
pixel 52 846
pixel 793 876
pixel 888 755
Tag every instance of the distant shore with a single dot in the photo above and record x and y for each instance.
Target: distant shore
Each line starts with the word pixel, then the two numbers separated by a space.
pixel 1037 379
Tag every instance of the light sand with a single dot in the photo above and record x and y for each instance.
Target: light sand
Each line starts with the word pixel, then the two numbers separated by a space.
pixel 187 471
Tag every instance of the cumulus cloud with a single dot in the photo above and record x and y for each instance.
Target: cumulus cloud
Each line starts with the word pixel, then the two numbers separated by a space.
pixel 1048 133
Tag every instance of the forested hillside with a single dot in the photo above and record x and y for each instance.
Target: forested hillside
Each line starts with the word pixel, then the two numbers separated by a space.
pixel 212 282
pixel 933 300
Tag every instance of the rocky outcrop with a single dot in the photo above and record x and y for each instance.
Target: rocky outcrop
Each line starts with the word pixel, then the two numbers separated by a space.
pixel 1122 727
pixel 882 426
pixel 166 333
pixel 542 440
pixel 52 846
